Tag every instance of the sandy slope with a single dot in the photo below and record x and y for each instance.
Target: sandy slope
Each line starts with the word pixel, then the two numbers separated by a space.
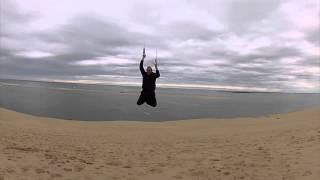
pixel 277 147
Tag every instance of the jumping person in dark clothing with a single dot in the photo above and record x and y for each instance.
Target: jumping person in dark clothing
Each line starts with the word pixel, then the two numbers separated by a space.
pixel 149 84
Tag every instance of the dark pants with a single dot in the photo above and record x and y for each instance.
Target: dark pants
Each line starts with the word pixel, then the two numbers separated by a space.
pixel 149 97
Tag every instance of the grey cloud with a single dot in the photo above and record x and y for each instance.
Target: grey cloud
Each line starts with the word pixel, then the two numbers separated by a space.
pixel 9 13
pixel 11 18
pixel 314 36
pixel 88 37
pixel 239 16
pixel 186 31
pixel 268 54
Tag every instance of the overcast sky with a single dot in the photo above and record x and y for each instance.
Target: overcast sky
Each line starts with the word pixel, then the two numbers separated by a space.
pixel 233 44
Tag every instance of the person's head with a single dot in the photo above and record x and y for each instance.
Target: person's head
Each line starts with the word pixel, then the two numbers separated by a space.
pixel 149 70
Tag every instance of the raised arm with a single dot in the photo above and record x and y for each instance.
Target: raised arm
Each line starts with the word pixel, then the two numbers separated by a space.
pixel 157 70
pixel 143 72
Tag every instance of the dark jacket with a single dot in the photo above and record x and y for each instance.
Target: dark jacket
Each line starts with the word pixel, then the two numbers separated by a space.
pixel 149 81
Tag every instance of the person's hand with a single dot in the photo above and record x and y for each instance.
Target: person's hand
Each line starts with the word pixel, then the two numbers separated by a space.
pixel 144 54
pixel 156 63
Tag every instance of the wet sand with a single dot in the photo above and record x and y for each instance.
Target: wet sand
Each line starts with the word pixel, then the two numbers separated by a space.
pixel 282 146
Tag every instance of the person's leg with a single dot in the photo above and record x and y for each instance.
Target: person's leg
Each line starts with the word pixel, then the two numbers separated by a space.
pixel 151 99
pixel 141 99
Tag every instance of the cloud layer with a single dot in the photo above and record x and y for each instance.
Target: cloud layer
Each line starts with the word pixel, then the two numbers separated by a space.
pixel 271 45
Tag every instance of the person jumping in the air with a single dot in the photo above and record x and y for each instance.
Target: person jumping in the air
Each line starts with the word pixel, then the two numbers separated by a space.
pixel 149 83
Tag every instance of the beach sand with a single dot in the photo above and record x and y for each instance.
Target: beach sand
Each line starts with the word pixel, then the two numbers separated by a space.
pixel 284 147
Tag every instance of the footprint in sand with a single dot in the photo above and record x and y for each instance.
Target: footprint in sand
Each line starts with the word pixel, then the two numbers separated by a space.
pixel 260 148
pixel 67 169
pixel 114 163
pixel 178 177
pixel 215 160
pixel 155 170
pixel 127 166
pixel 226 173
pixel 307 173
pixel 56 175
pixel 72 158
pixel 78 168
pixel 85 161
pixel 40 171
pixel 311 139
pixel 10 171
pixel 25 169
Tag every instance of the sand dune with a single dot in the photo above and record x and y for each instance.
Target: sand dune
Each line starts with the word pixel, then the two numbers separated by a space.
pixel 282 147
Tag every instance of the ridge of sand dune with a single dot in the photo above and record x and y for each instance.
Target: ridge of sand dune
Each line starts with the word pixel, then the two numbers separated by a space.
pixel 283 146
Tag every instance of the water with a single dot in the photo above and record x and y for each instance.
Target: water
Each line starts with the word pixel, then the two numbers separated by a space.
pixel 109 103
